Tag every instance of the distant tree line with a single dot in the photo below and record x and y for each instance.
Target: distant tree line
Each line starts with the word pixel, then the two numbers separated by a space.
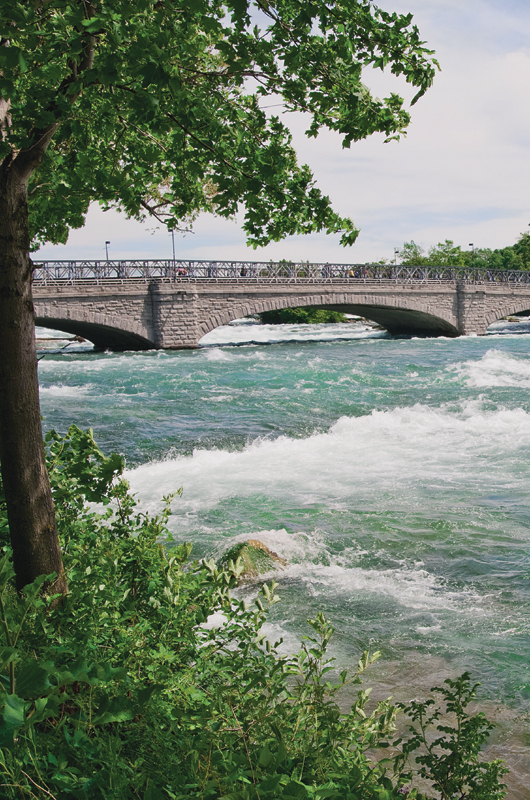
pixel 447 254
pixel 301 316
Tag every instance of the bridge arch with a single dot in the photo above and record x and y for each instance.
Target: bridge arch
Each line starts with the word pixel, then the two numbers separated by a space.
pixel 415 319
pixel 512 307
pixel 105 331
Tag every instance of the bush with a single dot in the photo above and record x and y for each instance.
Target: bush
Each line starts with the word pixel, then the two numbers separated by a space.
pixel 122 691
pixel 301 316
pixel 450 762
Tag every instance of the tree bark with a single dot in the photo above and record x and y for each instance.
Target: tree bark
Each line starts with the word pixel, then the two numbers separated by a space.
pixel 30 510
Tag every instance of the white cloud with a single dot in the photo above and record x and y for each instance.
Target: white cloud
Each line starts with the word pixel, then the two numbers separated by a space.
pixel 462 172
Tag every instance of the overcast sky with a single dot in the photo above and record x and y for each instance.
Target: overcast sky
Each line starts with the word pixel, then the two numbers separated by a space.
pixel 461 173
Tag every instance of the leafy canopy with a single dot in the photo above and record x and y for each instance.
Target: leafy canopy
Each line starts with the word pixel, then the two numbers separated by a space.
pixel 158 106
pixel 447 254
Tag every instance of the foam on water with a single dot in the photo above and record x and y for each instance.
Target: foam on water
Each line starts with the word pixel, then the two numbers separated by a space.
pixel 513 325
pixel 408 587
pixel 55 342
pixel 495 368
pixel 295 548
pixel 50 333
pixel 255 333
pixel 329 577
pixel 65 391
pixel 63 365
pixel 219 355
pixel 410 447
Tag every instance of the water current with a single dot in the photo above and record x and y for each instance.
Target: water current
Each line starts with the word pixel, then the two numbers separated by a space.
pixel 391 474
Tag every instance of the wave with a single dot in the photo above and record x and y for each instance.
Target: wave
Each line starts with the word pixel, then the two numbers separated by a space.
pixel 49 333
pixel 310 562
pixel 495 369
pixel 252 333
pixel 417 449
pixel 56 347
pixel 65 391
pixel 103 362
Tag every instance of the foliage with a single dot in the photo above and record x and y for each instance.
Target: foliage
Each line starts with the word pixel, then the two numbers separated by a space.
pixel 515 256
pixel 450 761
pixel 443 254
pixel 158 107
pixel 301 316
pixel 126 689
pixel 447 254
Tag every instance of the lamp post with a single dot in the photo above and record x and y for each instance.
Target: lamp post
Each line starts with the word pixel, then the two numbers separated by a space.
pixel 173 240
pixel 396 253
pixel 107 249
pixel 472 246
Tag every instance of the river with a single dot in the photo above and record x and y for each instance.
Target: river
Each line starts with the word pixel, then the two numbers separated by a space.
pixel 391 474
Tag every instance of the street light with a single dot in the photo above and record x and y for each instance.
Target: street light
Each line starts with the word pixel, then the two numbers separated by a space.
pixel 107 249
pixel 396 253
pixel 472 246
pixel 173 240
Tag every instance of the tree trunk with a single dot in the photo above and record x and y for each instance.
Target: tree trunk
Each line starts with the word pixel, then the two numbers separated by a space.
pixel 30 510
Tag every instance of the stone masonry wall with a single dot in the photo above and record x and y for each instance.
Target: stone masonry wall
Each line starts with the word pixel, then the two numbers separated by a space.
pixel 128 309
pixel 177 315
pixel 218 307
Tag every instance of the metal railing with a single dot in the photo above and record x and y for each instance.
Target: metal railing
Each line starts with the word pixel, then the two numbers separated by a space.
pixel 184 270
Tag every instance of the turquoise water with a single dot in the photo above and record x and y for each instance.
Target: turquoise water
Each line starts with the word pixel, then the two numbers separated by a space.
pixel 393 475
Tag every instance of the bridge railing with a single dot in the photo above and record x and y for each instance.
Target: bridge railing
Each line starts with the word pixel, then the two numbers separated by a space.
pixel 173 270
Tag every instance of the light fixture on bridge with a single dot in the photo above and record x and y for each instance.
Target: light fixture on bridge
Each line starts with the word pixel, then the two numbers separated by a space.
pixel 396 253
pixel 107 249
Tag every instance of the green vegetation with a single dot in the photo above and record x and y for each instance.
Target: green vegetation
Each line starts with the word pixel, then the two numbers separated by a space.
pixel 446 254
pixel 121 692
pixel 302 316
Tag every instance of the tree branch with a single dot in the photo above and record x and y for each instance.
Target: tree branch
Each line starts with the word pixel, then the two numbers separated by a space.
pixel 27 160
pixel 5 117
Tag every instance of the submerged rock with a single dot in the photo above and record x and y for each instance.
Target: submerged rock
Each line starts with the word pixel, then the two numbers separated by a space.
pixel 255 559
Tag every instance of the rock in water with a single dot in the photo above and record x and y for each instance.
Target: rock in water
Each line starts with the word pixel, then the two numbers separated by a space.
pixel 255 558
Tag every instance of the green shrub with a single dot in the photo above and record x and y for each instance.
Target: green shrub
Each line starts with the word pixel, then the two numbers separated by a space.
pixel 301 316
pixel 450 762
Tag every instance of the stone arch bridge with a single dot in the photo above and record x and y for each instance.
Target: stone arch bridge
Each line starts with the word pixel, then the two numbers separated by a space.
pixel 171 304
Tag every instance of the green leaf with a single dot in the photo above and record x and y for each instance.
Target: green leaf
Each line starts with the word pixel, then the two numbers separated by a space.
pixel 12 717
pixel 33 679
pixel 265 757
pixel 144 695
pixel 7 655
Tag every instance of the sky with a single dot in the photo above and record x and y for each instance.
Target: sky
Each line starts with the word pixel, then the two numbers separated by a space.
pixel 461 173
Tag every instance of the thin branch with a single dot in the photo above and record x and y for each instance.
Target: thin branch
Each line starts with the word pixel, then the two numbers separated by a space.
pixel 42 789
pixel 246 748
pixel 152 211
pixel 207 146
pixel 27 160
pixel 142 133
